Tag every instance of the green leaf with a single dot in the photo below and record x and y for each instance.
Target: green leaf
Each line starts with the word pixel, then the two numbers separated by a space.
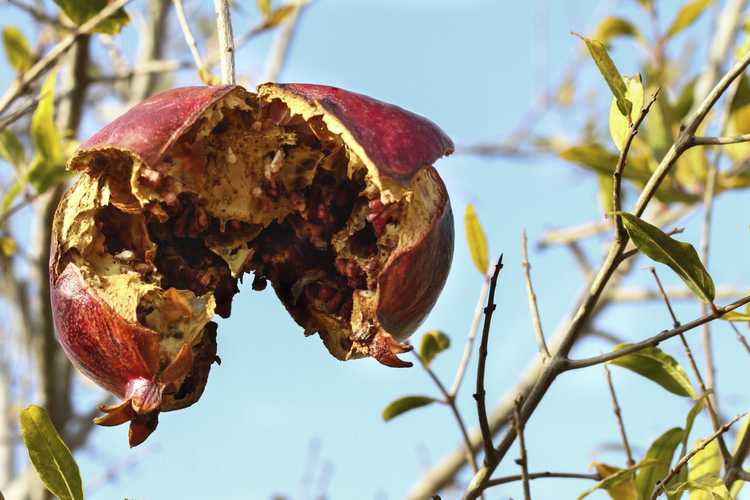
pixel 613 27
pixel 407 403
pixel 477 240
pixel 433 343
pixel 685 100
pixel 610 73
pixel 50 456
pixel 619 123
pixel 7 246
pixel 10 195
pixel 659 367
pixel 44 134
pixel 690 420
pixel 704 474
pixel 738 484
pixel 17 49
pixel 736 316
pixel 681 257
pixel 660 453
pixel 687 15
pixel 80 11
pixel 264 6
pixel 11 149
pixel 606 187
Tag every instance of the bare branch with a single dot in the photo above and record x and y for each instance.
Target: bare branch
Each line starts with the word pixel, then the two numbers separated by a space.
pixel 718 141
pixel 540 475
pixel 226 41
pixel 469 347
pixel 203 71
pixel 534 309
pixel 523 461
pixel 618 414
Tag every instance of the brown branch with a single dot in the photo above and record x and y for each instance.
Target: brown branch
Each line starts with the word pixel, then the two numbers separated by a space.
pixel 618 415
pixel 541 475
pixel 469 347
pixel 533 307
pixel 740 338
pixel 523 460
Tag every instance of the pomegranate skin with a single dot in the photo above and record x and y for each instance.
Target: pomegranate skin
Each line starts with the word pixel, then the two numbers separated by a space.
pixel 396 146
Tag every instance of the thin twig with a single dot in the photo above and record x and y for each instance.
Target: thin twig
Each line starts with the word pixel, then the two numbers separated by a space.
pixel 451 402
pixel 541 475
pixel 645 294
pixel 665 297
pixel 523 461
pixel 20 85
pixel 226 41
pixel 655 340
pixel 469 347
pixel 718 141
pixel 533 307
pixel 661 485
pixel 734 467
pixel 203 71
pixel 618 414
pixel 741 338
pixel 479 396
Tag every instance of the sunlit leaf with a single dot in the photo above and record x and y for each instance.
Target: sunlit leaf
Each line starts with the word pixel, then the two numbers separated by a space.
pixel 44 134
pixel 736 316
pixel 610 73
pixel 11 149
pixel 10 195
pixel 659 367
pixel 685 99
pixel 704 474
pixel 687 15
pixel 738 484
pixel 621 486
pixel 80 11
pixel 680 256
pixel 476 239
pixel 660 453
pixel 17 49
pixel 606 188
pixel 276 17
pixel 616 477
pixel 612 27
pixel 433 343
pixel 7 246
pixel 619 124
pixel 50 456
pixel 264 6
pixel 658 131
pixel 407 403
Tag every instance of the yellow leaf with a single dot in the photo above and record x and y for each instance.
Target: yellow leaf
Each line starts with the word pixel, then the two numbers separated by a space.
pixel 477 240
pixel 619 124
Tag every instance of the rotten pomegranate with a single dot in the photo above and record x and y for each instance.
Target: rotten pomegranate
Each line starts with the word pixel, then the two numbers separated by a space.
pixel 329 196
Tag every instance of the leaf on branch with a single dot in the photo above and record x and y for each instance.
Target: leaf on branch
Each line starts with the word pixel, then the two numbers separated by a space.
pixel 407 403
pixel 11 149
pixel 606 187
pixel 7 246
pixel 704 474
pixel 610 73
pixel 615 478
pixel 660 455
pixel 659 367
pixel 264 6
pixel 17 49
pixel 80 11
pixel 433 343
pixel 475 237
pixel 680 256
pixel 276 17
pixel 48 166
pixel 619 123
pixel 687 15
pixel 738 484
pixel 736 316
pixel 685 99
pixel 612 27
pixel 50 456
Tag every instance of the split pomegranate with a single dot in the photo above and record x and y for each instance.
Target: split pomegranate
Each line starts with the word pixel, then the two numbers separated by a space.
pixel 327 195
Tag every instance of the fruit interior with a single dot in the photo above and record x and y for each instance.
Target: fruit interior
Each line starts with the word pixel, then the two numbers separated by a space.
pixel 251 186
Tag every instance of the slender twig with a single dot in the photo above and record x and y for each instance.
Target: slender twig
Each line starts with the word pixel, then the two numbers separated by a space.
pixel 20 85
pixel 645 294
pixel 734 467
pixel 655 340
pixel 469 347
pixel 523 460
pixel 741 338
pixel 712 412
pixel 226 41
pixel 541 475
pixel 533 307
pixel 203 71
pixel 620 167
pixel 479 396
pixel 661 486
pixel 618 415
pixel 279 52
pixel 451 402
pixel 718 141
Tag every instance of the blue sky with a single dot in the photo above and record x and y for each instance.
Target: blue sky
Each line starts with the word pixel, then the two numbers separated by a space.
pixel 474 67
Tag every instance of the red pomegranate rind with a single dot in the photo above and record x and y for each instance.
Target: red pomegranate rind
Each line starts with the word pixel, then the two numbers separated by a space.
pixel 398 142
pixel 151 127
pixel 103 345
pixel 411 282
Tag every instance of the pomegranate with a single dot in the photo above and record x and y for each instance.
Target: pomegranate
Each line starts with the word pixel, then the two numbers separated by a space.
pixel 328 195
